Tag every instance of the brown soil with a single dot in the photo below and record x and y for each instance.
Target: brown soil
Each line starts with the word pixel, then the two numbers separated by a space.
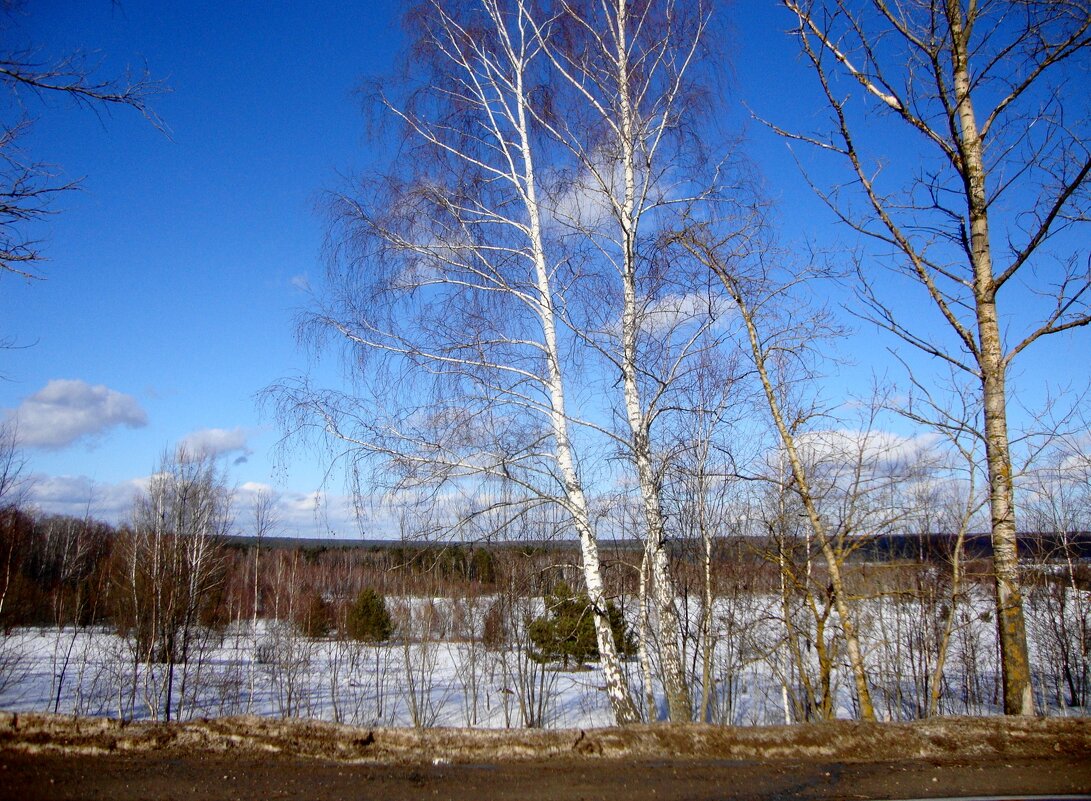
pixel 49 757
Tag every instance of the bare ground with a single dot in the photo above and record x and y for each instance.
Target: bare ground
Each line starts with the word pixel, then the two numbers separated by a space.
pixel 56 757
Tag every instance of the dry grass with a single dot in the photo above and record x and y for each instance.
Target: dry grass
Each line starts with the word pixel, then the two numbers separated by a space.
pixel 937 740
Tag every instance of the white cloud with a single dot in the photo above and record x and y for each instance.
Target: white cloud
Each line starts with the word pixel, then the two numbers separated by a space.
pixel 318 512
pixel 79 495
pixel 586 201
pixel 67 410
pixel 255 488
pixel 584 204
pixel 213 442
pixel 877 447
pixel 298 514
pixel 301 282
pixel 672 311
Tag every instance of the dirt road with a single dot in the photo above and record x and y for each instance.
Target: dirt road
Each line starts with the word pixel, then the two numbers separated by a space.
pixel 58 758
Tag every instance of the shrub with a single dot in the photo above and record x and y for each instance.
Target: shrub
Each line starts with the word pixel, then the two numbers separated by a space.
pixel 368 619
pixel 266 652
pixel 494 630
pixel 567 631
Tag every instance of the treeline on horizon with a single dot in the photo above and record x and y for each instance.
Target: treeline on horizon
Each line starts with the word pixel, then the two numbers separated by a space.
pixel 924 546
pixel 62 570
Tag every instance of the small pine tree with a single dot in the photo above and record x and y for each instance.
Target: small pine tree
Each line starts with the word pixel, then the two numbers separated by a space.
pixel 566 633
pixel 368 619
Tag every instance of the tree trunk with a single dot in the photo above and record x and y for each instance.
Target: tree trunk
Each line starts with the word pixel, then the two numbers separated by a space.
pixel 644 638
pixel 679 704
pixel 674 680
pixel 707 644
pixel 802 484
pixel 617 687
pixel 1011 628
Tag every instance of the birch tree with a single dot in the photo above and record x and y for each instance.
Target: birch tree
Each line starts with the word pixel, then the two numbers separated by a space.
pixel 697 493
pixel 1058 510
pixel 984 101
pixel 14 523
pixel 445 292
pixel 780 343
pixel 950 508
pixel 172 566
pixel 625 75
pixel 14 482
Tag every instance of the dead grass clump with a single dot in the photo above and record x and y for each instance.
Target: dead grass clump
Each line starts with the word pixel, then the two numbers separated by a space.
pixel 941 739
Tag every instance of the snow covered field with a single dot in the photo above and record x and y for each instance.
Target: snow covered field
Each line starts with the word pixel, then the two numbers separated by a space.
pixel 275 672
pixel 272 670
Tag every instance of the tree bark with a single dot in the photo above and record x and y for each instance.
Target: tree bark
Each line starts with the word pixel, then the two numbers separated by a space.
pixel 802 484
pixel 617 688
pixel 679 704
pixel 1011 628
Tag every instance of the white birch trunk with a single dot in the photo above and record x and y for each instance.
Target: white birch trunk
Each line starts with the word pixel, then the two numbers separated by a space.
pixel 617 687
pixel 674 677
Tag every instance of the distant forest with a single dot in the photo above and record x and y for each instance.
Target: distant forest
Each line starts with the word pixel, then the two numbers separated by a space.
pixel 59 570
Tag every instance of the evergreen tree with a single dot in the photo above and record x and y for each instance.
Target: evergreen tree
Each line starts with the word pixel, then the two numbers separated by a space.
pixel 368 618
pixel 314 619
pixel 566 633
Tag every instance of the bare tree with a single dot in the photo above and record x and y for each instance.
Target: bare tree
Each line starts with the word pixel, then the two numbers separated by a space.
pixel 1059 513
pixel 981 101
pixel 265 520
pixel 27 186
pixel 13 521
pixel 445 292
pixel 72 547
pixel 805 605
pixel 626 76
pixel 13 481
pixel 780 340
pixel 955 413
pixel 173 565
pixel 699 498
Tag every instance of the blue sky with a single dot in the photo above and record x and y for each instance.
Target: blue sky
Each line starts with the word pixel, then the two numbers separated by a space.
pixel 175 273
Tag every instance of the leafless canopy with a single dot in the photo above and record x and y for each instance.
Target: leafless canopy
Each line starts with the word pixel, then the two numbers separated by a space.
pixel 984 189
pixel 996 98
pixel 30 79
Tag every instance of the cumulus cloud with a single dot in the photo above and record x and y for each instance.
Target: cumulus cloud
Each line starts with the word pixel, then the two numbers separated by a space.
pixel 252 489
pixel 298 514
pixel 320 513
pixel 79 495
pixel 585 201
pixel 65 411
pixel 214 442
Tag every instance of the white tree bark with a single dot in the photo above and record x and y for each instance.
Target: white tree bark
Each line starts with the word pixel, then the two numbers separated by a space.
pixel 473 281
pixel 602 78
